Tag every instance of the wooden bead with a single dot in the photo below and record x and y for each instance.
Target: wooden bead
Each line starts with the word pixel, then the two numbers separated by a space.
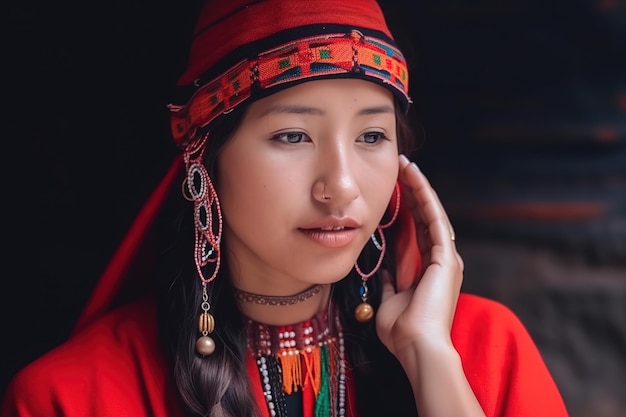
pixel 363 312
pixel 206 324
pixel 205 345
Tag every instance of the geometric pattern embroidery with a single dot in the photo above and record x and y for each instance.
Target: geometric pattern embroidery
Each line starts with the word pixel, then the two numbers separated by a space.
pixel 304 58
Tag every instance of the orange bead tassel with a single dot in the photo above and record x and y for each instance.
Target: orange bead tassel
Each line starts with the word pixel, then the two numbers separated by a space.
pixel 313 369
pixel 292 371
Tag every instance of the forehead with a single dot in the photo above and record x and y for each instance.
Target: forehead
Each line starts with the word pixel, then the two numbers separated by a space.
pixel 318 97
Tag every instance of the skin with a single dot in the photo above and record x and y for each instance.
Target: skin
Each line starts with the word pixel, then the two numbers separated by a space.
pixel 326 138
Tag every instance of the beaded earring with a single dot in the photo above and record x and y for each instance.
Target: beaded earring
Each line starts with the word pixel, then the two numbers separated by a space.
pixel 364 311
pixel 208 231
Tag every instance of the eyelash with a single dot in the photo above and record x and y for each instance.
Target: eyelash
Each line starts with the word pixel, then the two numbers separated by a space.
pixel 286 136
pixel 379 136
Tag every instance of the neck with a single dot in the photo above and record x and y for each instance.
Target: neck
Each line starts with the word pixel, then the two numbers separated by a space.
pixel 284 314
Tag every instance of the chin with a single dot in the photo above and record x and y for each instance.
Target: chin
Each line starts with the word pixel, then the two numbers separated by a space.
pixel 336 275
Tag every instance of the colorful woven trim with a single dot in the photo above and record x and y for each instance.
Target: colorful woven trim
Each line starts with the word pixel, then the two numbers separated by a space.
pixel 300 357
pixel 309 57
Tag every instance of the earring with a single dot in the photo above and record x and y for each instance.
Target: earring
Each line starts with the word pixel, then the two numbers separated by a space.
pixel 364 311
pixel 208 231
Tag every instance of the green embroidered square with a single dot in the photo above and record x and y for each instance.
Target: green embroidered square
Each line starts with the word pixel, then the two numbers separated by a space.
pixel 377 59
pixel 325 54
pixel 284 63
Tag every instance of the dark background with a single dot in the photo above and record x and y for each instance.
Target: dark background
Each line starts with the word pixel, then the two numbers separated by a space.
pixel 523 107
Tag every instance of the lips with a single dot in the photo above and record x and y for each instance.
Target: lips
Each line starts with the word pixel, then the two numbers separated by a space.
pixel 332 232
pixel 329 223
pixel 330 238
pixel 332 228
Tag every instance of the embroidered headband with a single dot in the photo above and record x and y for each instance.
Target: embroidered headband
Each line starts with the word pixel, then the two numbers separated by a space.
pixel 285 43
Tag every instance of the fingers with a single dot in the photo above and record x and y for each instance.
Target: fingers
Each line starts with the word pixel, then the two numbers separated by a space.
pixel 427 209
pixel 388 290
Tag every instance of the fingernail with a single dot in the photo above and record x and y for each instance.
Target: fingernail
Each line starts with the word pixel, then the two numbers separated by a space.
pixel 406 162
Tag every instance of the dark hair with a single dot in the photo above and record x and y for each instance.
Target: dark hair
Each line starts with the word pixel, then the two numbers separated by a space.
pixel 217 385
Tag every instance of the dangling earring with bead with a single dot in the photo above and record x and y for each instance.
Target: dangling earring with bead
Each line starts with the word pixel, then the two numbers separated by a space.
pixel 364 311
pixel 208 231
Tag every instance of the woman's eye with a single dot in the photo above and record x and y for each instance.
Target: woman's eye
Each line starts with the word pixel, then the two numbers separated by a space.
pixel 290 137
pixel 373 137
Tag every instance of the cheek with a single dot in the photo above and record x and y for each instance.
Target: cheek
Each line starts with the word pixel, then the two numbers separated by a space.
pixel 380 184
pixel 253 193
pixel 241 188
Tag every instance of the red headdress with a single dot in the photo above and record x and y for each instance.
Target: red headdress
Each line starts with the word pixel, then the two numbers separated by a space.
pixel 243 50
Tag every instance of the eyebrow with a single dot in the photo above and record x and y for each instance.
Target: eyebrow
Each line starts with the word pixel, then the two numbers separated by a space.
pixel 385 108
pixel 296 109
pixel 292 109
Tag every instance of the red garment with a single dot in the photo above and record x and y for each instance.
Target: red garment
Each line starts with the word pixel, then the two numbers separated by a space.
pixel 112 365
pixel 114 368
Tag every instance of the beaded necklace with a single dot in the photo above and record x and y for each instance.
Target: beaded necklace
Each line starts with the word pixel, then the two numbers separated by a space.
pixel 292 358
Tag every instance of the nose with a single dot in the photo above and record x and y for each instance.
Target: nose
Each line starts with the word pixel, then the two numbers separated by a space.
pixel 337 181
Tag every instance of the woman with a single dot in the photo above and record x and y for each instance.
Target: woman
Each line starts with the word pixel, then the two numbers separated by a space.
pixel 314 271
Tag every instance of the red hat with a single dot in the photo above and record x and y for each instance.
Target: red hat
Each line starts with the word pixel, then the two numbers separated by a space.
pixel 245 49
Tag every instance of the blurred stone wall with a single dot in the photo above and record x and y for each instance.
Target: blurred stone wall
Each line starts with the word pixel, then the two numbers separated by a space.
pixel 523 109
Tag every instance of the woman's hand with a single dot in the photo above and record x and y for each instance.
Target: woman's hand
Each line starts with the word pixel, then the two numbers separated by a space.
pixel 415 324
pixel 424 312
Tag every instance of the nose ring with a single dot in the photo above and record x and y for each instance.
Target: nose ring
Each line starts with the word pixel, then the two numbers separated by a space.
pixel 324 196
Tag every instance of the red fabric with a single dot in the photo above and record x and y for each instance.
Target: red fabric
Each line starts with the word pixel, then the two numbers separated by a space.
pixel 502 363
pixel 218 29
pixel 110 286
pixel 114 368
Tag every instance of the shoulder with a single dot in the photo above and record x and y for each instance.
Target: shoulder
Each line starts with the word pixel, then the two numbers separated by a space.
pixel 483 326
pixel 501 361
pixel 106 369
pixel 479 316
pixel 486 333
pixel 486 329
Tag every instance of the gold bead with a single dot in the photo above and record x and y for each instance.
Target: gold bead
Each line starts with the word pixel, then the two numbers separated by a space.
pixel 205 345
pixel 206 324
pixel 363 312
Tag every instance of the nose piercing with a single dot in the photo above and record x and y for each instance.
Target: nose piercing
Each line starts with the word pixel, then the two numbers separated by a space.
pixel 324 196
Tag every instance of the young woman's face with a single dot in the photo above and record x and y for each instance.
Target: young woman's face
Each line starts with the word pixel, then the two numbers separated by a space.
pixel 304 182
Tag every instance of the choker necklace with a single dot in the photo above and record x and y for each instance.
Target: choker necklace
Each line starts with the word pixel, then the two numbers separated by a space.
pixel 307 355
pixel 278 300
